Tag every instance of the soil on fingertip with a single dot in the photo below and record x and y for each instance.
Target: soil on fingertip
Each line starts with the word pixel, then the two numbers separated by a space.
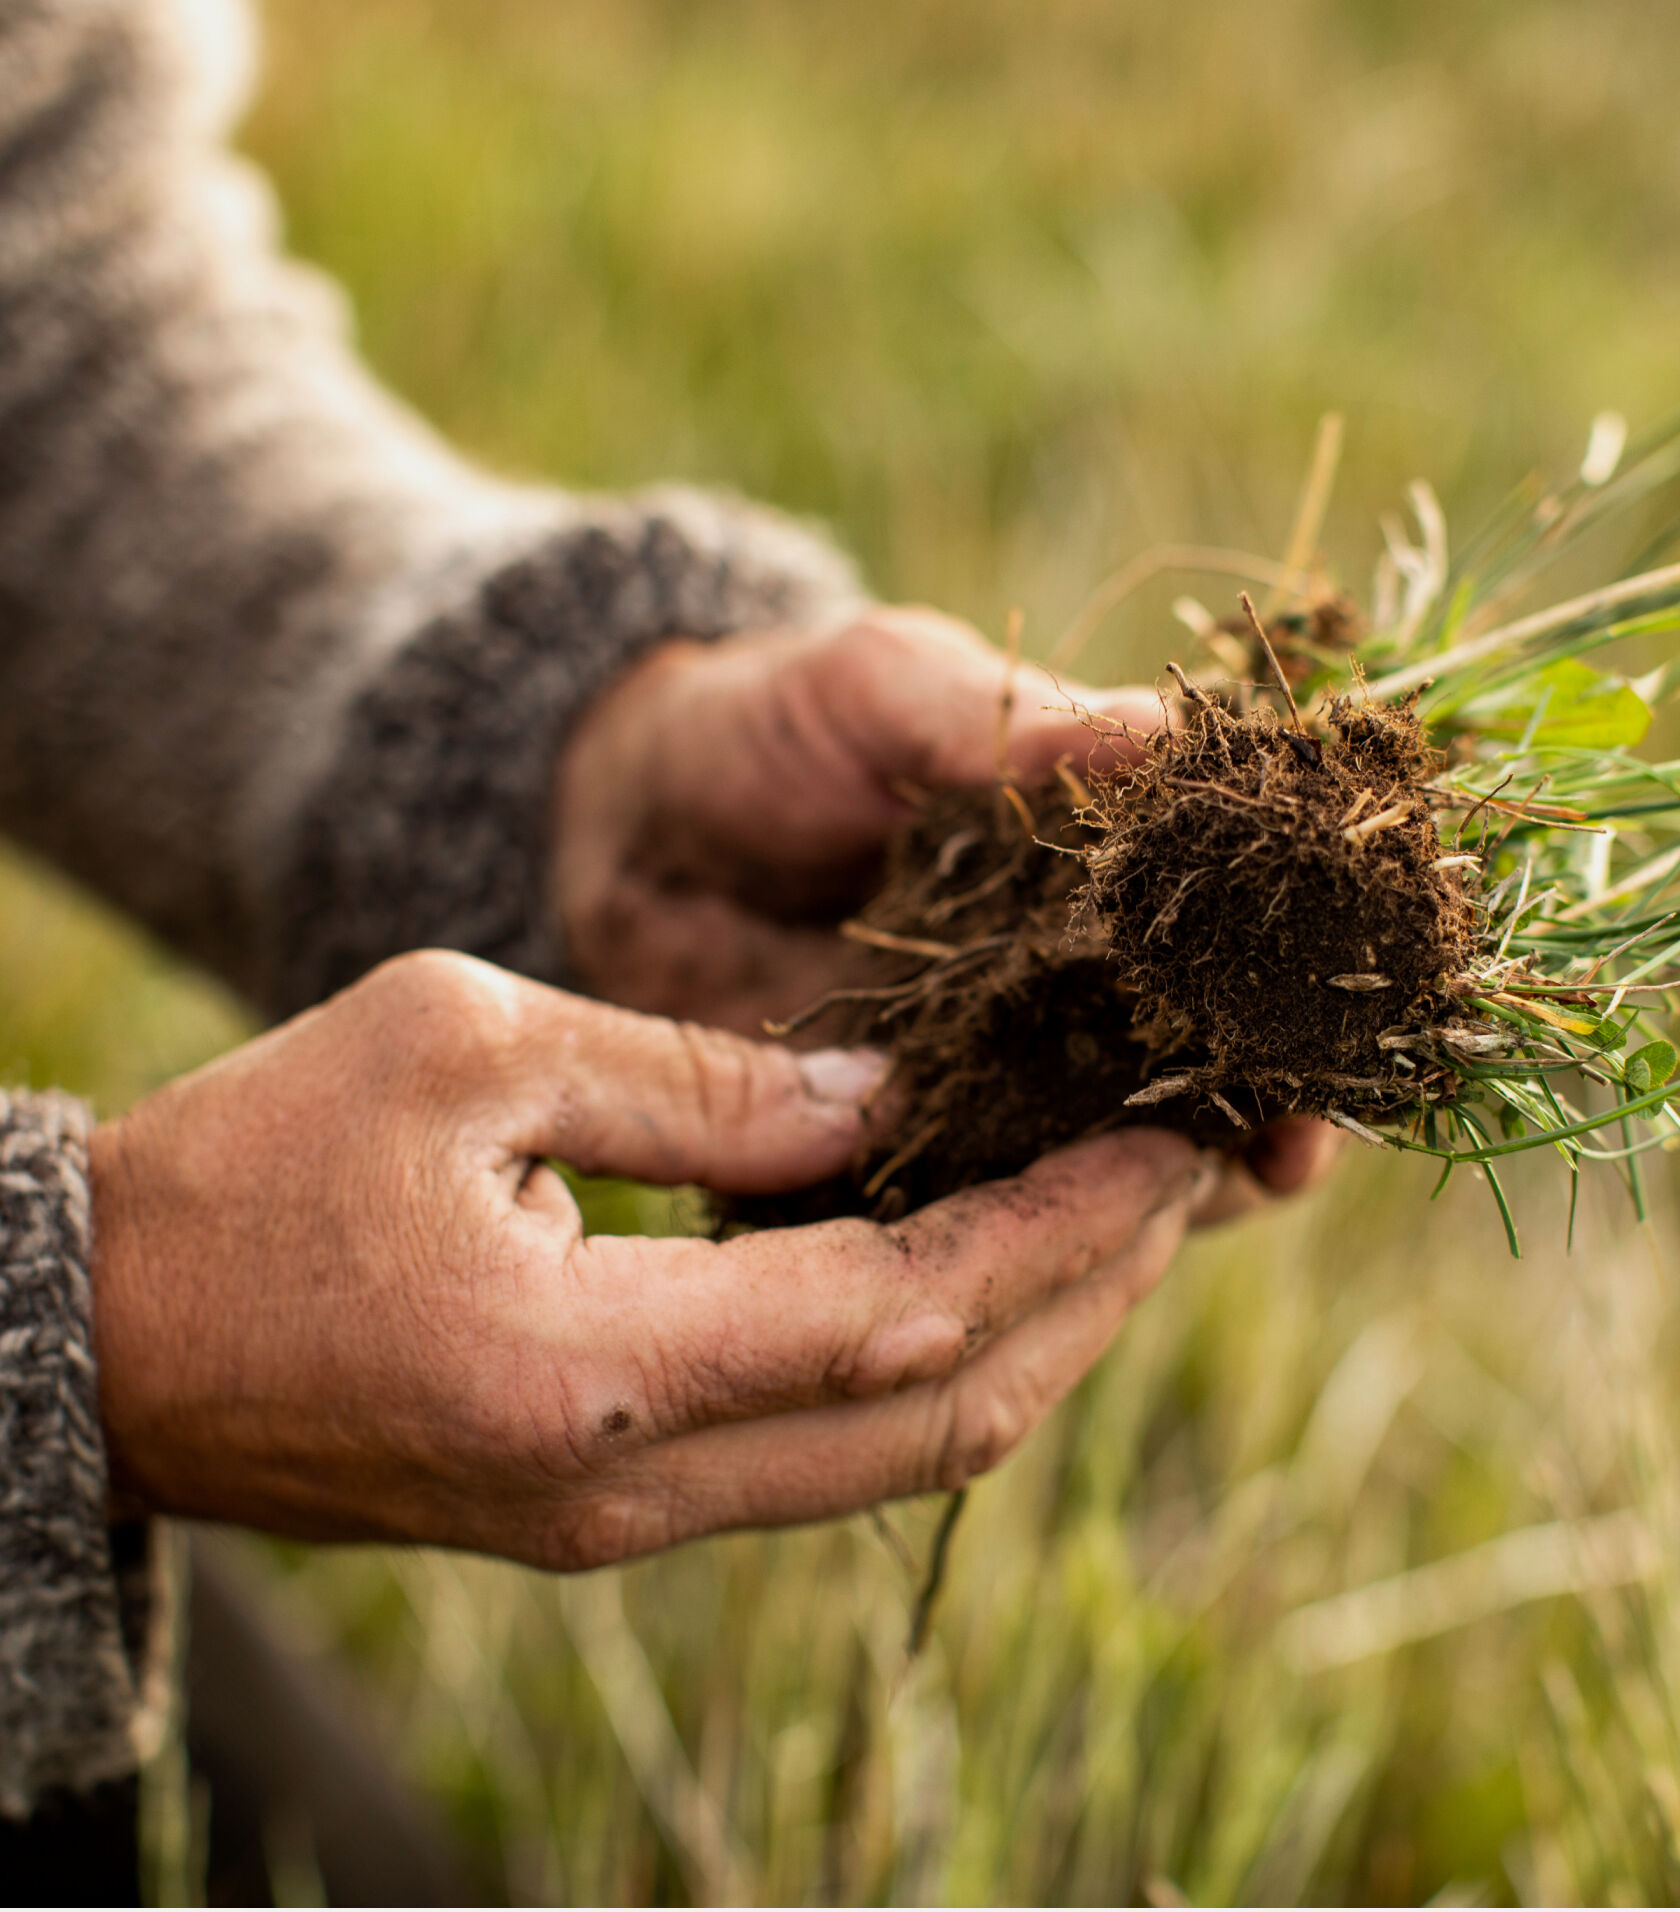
pixel 1250 921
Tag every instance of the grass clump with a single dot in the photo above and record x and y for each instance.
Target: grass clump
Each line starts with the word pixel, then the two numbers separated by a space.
pixel 1405 875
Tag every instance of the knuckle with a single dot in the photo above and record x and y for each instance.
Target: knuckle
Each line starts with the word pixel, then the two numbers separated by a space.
pixel 879 649
pixel 608 1528
pixel 924 1347
pixel 647 1387
pixel 576 1432
pixel 453 1012
pixel 880 637
pixel 410 979
pixel 984 1428
pixel 718 1074
pixel 892 1324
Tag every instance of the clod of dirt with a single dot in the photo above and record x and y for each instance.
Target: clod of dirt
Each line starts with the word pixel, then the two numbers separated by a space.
pixel 1274 899
pixel 1236 927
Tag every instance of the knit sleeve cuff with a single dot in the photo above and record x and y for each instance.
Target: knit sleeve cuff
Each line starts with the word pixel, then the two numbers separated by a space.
pixel 434 828
pixel 68 1692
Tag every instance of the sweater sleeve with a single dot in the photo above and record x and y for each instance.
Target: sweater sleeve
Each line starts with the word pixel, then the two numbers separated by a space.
pixel 279 673
pixel 69 1692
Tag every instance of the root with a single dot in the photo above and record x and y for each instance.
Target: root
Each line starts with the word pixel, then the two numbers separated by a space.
pixel 1251 921
pixel 928 1599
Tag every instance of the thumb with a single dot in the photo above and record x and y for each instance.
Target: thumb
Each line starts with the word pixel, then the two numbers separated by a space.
pixel 918 696
pixel 612 1092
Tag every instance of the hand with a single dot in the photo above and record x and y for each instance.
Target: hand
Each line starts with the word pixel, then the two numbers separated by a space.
pixel 724 806
pixel 339 1294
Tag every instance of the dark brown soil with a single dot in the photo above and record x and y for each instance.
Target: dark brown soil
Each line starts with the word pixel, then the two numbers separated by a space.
pixel 1225 933
pixel 1274 899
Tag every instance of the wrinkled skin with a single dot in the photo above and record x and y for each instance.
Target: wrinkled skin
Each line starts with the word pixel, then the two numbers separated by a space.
pixel 340 1294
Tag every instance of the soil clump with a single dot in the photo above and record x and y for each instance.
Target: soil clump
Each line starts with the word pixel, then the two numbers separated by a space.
pixel 1251 920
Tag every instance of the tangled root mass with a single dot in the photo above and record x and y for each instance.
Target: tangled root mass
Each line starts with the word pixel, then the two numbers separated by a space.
pixel 1238 926
pixel 1277 902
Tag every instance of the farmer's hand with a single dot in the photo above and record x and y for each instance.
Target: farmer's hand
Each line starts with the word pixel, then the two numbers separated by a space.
pixel 724 806
pixel 337 1292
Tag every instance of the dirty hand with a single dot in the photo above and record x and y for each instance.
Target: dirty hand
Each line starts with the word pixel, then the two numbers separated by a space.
pixel 338 1292
pixel 724 806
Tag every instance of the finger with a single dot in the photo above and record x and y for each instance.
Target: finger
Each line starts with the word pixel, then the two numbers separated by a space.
pixel 827 1461
pixel 850 1309
pixel 777 763
pixel 1235 1194
pixel 1055 721
pixel 815 737
pixel 614 1092
pixel 1290 1155
pixel 1283 1159
pixel 917 696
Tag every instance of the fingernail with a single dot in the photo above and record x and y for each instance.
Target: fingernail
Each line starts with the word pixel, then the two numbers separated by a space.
pixel 843 1075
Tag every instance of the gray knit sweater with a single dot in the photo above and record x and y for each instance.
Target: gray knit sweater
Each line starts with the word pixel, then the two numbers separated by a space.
pixel 278 673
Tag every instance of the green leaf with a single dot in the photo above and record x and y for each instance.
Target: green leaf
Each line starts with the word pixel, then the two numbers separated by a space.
pixel 1576 705
pixel 1548 1138
pixel 1493 1181
pixel 1609 1034
pixel 1650 1067
pixel 1631 1168
pixel 1505 1214
pixel 1585 1025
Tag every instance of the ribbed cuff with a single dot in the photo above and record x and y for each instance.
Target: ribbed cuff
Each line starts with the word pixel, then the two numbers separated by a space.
pixel 435 827
pixel 67 1689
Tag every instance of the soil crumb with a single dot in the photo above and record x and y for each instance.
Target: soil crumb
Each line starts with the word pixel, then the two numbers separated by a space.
pixel 1246 922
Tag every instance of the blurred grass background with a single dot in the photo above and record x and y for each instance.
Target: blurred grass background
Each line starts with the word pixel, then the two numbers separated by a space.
pixel 1351 1575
